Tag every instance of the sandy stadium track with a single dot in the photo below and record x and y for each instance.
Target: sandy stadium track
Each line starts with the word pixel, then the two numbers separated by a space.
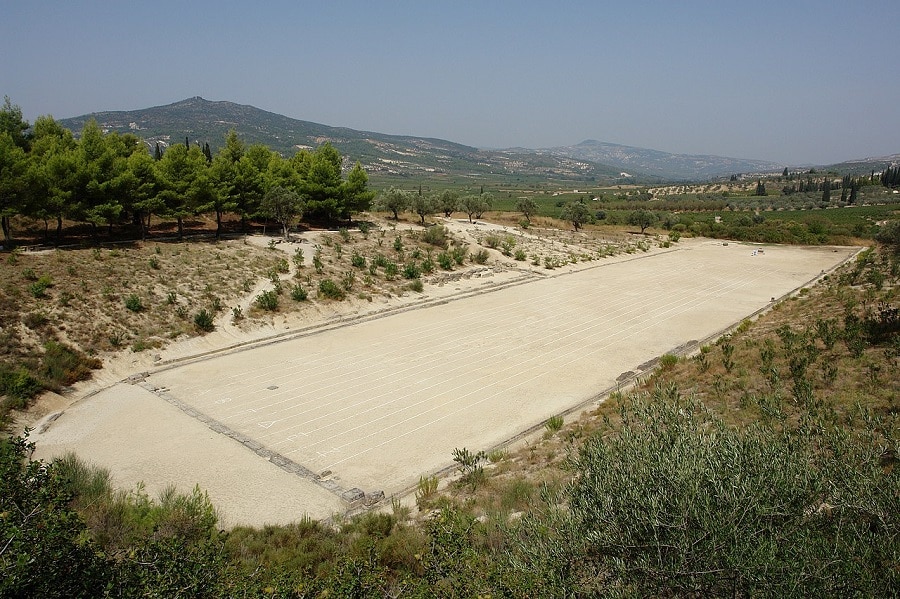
pixel 287 428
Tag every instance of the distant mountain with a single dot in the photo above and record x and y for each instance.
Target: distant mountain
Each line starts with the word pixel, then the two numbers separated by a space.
pixel 663 164
pixel 863 166
pixel 396 158
pixel 385 157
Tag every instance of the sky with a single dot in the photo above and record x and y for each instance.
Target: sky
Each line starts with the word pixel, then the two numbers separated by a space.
pixel 793 81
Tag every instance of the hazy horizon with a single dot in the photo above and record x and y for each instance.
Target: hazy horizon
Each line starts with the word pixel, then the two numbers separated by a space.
pixel 804 83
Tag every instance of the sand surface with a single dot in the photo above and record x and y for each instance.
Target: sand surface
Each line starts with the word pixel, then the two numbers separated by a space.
pixel 285 427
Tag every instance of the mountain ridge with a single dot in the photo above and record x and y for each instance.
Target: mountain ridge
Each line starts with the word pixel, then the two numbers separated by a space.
pixel 398 157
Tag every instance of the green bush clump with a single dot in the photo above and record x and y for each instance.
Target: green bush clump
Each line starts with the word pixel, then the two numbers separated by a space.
pixel 298 293
pixel 481 256
pixel 358 260
pixel 411 271
pixel 436 235
pixel 38 288
pixel 554 423
pixel 445 260
pixel 668 361
pixel 809 493
pixel 203 320
pixel 267 300
pixel 133 303
pixel 18 383
pixel 391 270
pixel 62 365
pixel 331 290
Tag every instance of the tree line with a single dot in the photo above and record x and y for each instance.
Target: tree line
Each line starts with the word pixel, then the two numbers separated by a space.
pixel 891 177
pixel 107 179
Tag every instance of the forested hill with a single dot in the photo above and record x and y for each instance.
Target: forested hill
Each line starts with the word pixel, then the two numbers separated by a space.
pixel 383 156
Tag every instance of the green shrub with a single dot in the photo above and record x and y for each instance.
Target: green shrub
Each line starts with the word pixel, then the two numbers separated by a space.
pixel 436 235
pixel 668 361
pixel 203 320
pixel 807 493
pixel 497 455
pixel 417 285
pixel 317 261
pixel 18 383
pixel 380 260
pixel 133 303
pixel 298 258
pixel 358 260
pixel 470 466
pixel 411 271
pixel 391 270
pixel 458 253
pixel 62 365
pixel 507 245
pixel 298 293
pixel 520 255
pixel 282 266
pixel 426 489
pixel 267 300
pixel 348 280
pixel 445 260
pixel 481 256
pixel 38 288
pixel 330 290
pixel 554 423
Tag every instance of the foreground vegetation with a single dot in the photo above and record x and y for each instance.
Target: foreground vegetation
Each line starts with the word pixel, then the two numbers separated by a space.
pixel 764 465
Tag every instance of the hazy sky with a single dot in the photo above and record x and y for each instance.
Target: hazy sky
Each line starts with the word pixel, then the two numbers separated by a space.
pixel 797 82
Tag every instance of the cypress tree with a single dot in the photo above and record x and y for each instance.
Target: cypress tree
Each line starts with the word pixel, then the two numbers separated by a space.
pixel 760 188
pixel 157 153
